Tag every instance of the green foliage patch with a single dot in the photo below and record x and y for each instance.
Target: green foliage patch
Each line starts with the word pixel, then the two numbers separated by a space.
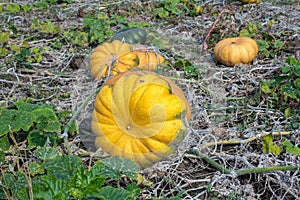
pixel 283 89
pixel 56 176
pixel 38 124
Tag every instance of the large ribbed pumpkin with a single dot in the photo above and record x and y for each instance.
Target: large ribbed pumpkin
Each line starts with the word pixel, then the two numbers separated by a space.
pixel 141 116
pixel 112 58
pixel 231 51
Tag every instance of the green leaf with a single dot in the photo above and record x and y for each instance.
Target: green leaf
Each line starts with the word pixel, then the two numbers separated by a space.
pixel 265 88
pixel 4 37
pixel 62 166
pixel 111 193
pixel 46 153
pixel 3 52
pixel 290 148
pixel 262 45
pixel 49 187
pixel 13 8
pixel 14 121
pixel 286 69
pixel 38 138
pixel 116 166
pixel 36 168
pixel 13 183
pixel 46 120
pixel 4 143
pixel 2 157
pixel 86 183
pixel 134 189
pixel 291 61
pixel 269 146
pixel 287 112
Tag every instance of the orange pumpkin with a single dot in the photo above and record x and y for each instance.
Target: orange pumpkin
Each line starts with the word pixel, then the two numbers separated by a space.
pixel 140 115
pixel 112 58
pixel 231 51
pixel 149 60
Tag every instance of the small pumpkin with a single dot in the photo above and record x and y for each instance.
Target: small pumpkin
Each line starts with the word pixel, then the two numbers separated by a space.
pixel 140 115
pixel 231 51
pixel 131 35
pixel 148 60
pixel 112 58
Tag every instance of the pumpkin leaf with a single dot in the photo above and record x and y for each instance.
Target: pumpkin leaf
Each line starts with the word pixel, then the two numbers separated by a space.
pixel 39 138
pixel 269 146
pixel 86 183
pixel 36 168
pixel 112 193
pixel 290 148
pixel 115 166
pixel 62 166
pixel 13 183
pixel 4 143
pixel 49 187
pixel 14 121
pixel 46 120
pixel 46 153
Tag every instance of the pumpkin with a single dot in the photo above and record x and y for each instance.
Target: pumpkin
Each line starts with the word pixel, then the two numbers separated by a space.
pixel 231 51
pixel 112 58
pixel 148 60
pixel 141 116
pixel 131 35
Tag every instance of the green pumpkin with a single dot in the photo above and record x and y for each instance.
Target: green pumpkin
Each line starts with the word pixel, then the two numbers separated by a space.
pixel 131 36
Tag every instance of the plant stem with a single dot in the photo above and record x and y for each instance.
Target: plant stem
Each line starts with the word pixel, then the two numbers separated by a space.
pixel 236 141
pixel 224 170
pixel 75 115
pixel 216 165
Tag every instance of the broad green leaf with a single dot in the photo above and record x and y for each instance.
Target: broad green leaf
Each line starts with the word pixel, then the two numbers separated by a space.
pixel 14 182
pixel 111 193
pixel 286 69
pixel 46 153
pixel 62 166
pixel 36 168
pixel 46 120
pixel 4 143
pixel 49 187
pixel 37 138
pixel 269 146
pixel 116 166
pixel 29 106
pixel 14 121
pixel 23 194
pixel 86 183
pixel 290 148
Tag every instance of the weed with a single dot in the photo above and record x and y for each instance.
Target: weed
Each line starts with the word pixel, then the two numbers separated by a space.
pixel 283 90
